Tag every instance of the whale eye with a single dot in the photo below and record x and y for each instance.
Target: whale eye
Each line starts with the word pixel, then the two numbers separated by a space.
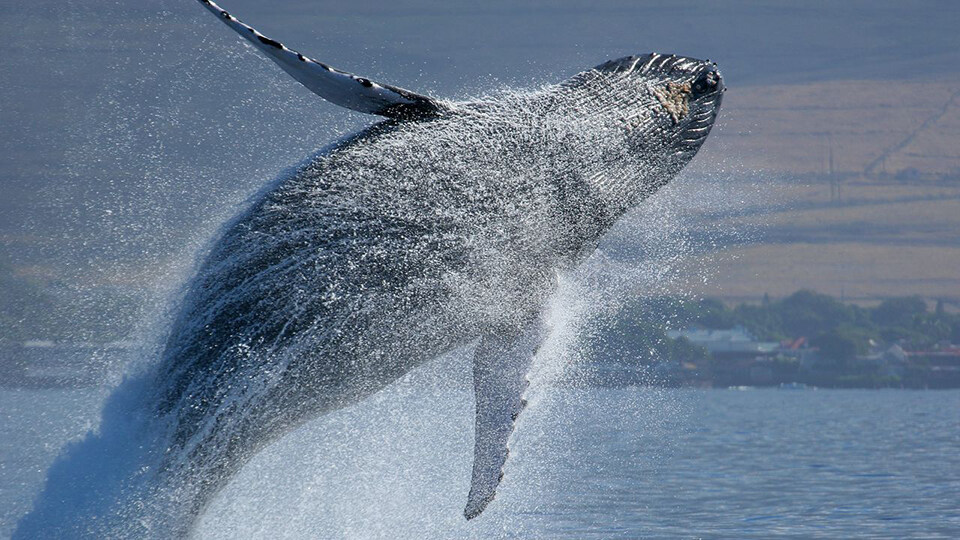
pixel 707 82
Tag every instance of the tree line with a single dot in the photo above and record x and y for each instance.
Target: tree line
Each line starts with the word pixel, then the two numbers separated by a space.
pixel 841 331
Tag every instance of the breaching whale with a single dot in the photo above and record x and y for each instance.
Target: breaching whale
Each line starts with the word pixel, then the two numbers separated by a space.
pixel 443 225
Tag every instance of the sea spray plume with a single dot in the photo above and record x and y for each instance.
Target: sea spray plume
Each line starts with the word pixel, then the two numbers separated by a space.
pixel 441 226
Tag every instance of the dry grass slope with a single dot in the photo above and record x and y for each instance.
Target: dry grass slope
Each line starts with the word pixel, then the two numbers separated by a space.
pixel 867 175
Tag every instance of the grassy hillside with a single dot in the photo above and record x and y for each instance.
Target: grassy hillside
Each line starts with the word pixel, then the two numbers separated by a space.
pixel 894 130
pixel 861 186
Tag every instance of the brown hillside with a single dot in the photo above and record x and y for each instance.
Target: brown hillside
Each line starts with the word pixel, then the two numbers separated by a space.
pixel 885 222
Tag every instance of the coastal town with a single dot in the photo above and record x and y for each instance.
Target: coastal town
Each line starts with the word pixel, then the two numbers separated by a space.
pixel 737 358
pixel 803 341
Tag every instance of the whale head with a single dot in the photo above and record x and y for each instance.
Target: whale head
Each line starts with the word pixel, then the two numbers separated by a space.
pixel 654 112
pixel 665 102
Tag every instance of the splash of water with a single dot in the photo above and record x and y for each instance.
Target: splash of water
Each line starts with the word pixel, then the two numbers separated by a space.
pixel 397 465
pixel 121 496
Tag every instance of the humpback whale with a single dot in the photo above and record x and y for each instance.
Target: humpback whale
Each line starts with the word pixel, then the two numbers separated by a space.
pixel 441 226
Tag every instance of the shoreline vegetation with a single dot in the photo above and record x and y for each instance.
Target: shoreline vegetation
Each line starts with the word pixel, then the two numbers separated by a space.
pixel 805 339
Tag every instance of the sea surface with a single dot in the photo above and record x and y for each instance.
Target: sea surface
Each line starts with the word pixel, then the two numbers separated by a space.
pixel 585 463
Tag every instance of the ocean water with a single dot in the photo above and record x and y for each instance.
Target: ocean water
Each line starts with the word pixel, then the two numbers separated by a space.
pixel 585 463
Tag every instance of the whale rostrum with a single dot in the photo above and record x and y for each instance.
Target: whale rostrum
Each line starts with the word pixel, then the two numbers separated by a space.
pixel 442 226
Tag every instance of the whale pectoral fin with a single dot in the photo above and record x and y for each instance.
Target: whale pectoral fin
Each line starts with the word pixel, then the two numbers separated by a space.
pixel 500 370
pixel 339 87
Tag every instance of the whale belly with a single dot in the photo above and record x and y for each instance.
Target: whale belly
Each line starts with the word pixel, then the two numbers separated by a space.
pixel 302 308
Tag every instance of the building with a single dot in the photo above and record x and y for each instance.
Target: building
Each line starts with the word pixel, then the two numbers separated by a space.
pixel 737 341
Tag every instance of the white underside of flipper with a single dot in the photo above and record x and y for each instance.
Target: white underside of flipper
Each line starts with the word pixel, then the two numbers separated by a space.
pixel 339 87
pixel 500 368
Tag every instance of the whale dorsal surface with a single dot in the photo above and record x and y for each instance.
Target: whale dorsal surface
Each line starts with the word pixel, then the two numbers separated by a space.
pixel 339 87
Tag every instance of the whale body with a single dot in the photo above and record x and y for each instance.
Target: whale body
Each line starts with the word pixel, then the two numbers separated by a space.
pixel 443 225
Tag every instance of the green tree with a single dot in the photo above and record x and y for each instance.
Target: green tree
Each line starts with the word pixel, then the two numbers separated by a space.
pixel 806 313
pixel 899 311
pixel 836 347
pixel 762 321
pixel 710 313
